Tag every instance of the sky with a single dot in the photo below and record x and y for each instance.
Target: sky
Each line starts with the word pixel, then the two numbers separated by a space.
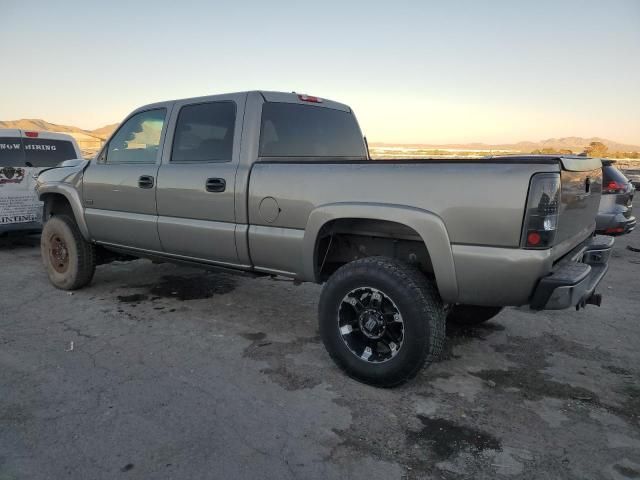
pixel 493 71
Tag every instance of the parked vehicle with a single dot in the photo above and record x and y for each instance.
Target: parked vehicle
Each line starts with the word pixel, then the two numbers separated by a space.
pixel 614 215
pixel 634 177
pixel 23 154
pixel 282 184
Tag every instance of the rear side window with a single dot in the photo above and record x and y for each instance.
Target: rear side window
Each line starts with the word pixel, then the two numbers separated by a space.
pixel 43 152
pixel 612 174
pixel 204 133
pixel 11 152
pixel 138 140
pixel 293 130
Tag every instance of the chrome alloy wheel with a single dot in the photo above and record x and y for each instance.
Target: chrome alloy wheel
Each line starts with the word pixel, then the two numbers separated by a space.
pixel 370 325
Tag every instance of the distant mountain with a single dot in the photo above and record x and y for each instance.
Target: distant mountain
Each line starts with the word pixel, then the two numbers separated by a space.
pixel 93 139
pixel 89 140
pixel 39 124
pixel 106 131
pixel 575 144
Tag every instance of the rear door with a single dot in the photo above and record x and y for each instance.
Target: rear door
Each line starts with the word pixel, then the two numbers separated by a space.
pixel 196 180
pixel 119 187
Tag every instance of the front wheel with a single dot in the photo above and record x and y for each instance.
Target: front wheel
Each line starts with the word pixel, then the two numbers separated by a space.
pixel 381 320
pixel 69 259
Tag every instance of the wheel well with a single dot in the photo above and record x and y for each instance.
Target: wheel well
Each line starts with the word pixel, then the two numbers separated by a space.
pixel 344 240
pixel 56 204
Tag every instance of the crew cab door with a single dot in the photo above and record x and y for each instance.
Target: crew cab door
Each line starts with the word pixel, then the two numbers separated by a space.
pixel 119 187
pixel 195 195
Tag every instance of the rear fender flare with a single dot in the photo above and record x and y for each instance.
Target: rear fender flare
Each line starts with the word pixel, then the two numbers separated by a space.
pixel 429 226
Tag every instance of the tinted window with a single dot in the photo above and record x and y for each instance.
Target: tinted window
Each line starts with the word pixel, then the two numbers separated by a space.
pixel 292 130
pixel 138 140
pixel 613 174
pixel 204 133
pixel 11 152
pixel 42 152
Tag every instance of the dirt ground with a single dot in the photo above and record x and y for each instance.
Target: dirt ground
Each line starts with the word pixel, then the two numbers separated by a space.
pixel 159 371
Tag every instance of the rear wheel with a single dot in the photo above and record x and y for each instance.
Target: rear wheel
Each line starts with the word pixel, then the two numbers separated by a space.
pixel 469 315
pixel 381 320
pixel 69 259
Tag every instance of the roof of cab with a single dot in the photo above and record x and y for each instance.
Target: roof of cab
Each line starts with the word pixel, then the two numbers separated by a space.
pixel 268 96
pixel 294 97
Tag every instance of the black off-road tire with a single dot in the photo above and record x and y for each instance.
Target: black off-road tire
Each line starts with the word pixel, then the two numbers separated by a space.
pixel 70 261
pixel 470 315
pixel 418 302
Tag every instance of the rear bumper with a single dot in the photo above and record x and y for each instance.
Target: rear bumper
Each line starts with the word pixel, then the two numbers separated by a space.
pixel 615 224
pixel 573 282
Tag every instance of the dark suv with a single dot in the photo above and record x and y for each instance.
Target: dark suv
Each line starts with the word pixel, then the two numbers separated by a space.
pixel 614 215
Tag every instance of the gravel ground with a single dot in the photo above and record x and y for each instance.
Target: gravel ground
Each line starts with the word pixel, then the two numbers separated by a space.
pixel 159 371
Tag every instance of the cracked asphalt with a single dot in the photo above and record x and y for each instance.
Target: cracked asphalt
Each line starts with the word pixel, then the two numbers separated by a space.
pixel 160 371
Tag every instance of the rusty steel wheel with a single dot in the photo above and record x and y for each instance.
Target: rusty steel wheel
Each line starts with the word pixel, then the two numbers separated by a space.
pixel 58 254
pixel 69 259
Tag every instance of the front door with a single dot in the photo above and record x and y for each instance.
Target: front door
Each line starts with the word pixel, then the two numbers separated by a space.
pixel 119 188
pixel 195 194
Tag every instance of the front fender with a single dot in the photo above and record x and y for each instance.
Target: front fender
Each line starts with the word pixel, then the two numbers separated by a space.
pixel 429 226
pixel 72 196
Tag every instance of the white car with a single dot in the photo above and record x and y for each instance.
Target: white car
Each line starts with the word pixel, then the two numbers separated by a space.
pixel 23 154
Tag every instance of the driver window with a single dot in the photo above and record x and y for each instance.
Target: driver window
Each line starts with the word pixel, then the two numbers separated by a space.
pixel 138 140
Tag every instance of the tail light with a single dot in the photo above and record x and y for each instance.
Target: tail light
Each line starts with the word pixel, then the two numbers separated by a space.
pixel 31 134
pixel 614 187
pixel 541 215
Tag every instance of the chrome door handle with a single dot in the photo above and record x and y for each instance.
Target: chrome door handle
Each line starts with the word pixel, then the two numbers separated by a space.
pixel 145 181
pixel 216 185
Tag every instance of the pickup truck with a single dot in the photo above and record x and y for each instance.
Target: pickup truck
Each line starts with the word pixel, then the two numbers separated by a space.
pixel 282 184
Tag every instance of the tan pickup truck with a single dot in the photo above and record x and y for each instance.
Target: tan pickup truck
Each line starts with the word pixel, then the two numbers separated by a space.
pixel 282 184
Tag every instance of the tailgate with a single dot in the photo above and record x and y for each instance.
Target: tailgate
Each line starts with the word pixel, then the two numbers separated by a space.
pixel 581 180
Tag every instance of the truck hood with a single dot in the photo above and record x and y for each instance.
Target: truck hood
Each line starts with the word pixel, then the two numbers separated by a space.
pixel 74 164
pixel 69 171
